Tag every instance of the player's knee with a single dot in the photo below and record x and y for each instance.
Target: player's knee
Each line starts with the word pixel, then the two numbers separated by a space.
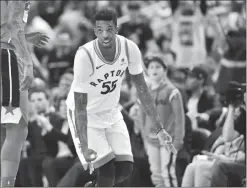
pixel 123 170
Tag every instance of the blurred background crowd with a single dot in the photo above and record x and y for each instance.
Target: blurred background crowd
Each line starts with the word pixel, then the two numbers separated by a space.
pixel 203 44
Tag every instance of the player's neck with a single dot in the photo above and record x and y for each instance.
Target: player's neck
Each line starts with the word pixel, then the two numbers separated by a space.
pixel 108 53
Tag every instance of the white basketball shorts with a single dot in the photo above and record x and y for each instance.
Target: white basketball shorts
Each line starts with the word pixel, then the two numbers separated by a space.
pixel 109 143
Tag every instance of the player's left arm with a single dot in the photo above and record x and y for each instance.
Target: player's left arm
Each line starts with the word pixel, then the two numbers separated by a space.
pixel 136 73
pixel 178 110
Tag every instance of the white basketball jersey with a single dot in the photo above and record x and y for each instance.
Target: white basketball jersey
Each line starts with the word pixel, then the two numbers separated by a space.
pixel 106 80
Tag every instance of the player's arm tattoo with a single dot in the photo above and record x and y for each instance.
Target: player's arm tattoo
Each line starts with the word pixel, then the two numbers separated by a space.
pixel 81 118
pixel 145 97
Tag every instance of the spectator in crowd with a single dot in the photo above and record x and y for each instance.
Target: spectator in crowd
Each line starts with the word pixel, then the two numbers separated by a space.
pixel 233 51
pixel 43 117
pixel 137 30
pixel 188 38
pixel 200 100
pixel 229 148
pixel 50 11
pixel 78 27
pixel 55 167
pixel 164 44
pixel 232 173
pixel 37 149
pixel 59 59
pixel 39 84
pixel 169 105
pixel 62 89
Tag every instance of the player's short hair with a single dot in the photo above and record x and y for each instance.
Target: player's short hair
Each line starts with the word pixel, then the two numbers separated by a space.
pixel 106 14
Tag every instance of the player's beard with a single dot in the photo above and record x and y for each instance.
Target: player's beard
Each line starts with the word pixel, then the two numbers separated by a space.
pixel 110 44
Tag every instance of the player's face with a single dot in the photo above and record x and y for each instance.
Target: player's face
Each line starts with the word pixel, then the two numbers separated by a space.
pixel 105 32
pixel 156 71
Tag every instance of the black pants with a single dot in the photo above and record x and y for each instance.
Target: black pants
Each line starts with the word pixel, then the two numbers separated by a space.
pixel 76 176
pixel 55 168
pixel 30 172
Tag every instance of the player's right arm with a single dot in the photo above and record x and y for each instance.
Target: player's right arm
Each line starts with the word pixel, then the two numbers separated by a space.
pixel 82 71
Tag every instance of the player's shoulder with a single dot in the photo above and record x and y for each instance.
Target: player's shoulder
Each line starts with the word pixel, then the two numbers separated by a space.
pixel 83 52
pixel 131 46
pixel 129 42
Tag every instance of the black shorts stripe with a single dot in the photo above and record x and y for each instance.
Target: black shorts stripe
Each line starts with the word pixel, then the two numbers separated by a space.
pixel 5 78
pixel 8 83
pixel 15 80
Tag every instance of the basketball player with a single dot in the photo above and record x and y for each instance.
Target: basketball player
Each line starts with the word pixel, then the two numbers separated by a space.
pixel 16 77
pixel 94 117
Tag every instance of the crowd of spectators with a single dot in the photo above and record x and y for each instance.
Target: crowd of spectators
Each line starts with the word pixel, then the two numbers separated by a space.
pixel 203 46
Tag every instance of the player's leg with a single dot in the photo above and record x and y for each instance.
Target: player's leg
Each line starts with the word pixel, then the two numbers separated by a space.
pixel 119 140
pixel 98 142
pixel 106 175
pixel 15 123
pixel 11 151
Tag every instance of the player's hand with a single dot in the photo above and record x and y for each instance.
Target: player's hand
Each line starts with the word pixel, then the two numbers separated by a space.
pixel 37 39
pixel 166 140
pixel 28 77
pixel 89 155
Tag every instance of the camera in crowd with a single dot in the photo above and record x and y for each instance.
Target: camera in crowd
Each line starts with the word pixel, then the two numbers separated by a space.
pixel 235 93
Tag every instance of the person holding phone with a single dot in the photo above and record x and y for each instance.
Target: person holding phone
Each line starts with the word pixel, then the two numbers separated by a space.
pixel 228 148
